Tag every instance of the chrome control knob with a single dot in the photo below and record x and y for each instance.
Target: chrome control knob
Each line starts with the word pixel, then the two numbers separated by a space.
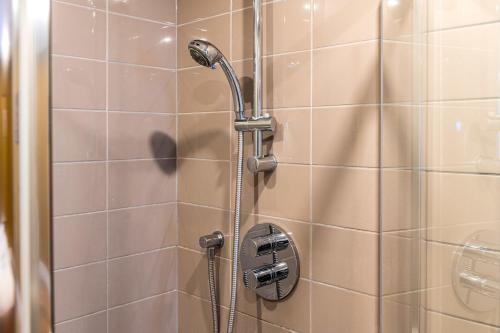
pixel 265 275
pixel 268 244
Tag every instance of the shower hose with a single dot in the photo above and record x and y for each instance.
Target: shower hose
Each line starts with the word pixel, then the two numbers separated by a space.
pixel 236 246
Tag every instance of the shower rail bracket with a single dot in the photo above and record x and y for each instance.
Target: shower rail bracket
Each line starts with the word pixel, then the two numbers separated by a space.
pixel 264 123
pixel 257 125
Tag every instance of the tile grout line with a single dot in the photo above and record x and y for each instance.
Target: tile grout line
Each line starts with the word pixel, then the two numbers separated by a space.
pixel 129 64
pixel 311 76
pixel 107 166
pixel 117 258
pixel 114 209
pixel 106 10
pixel 110 161
pixel 380 184
pixel 147 298
pixel 177 161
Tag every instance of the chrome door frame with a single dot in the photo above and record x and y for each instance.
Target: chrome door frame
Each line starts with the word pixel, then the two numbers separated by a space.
pixel 25 191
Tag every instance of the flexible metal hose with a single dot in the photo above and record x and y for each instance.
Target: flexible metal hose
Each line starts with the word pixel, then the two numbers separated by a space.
pixel 213 290
pixel 236 235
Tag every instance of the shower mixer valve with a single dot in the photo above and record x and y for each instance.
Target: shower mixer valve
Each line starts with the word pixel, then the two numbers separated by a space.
pixel 269 261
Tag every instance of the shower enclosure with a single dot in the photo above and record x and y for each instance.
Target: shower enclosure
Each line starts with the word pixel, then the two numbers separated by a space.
pixel 387 137
pixel 440 164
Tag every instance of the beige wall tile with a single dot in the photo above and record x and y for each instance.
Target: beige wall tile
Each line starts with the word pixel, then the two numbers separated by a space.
pixel 400 135
pixel 345 197
pixel 449 13
pixel 78 84
pixel 193 275
pixel 79 291
pixel 191 10
pixel 291 141
pixel 195 221
pixel 140 42
pixel 141 229
pixel 346 75
pixel 474 50
pixel 463 136
pixel 133 88
pixel 195 315
pixel 96 323
pixel 242 36
pixel 398 69
pixel 338 310
pixel 158 10
pixel 347 136
pixel 204 182
pixel 400 273
pixel 78 136
pixel 133 183
pixel 398 20
pixel 205 135
pixel 345 21
pixel 201 89
pixel 79 239
pixel 139 276
pixel 215 30
pixel 79 188
pixel 286 80
pixel 101 4
pixel 283 193
pixel 399 199
pixel 291 313
pixel 286 28
pixel 400 311
pixel 438 323
pixel 339 255
pixel 455 200
pixel 157 314
pixel 78 31
pixel 141 136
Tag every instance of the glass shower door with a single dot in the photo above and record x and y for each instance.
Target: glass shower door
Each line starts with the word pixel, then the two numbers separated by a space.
pixel 440 178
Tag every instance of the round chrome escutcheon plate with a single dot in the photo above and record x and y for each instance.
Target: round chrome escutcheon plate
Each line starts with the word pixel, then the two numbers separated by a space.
pixel 268 246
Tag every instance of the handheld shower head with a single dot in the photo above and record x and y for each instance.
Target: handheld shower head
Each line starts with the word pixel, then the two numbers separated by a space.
pixel 208 55
pixel 204 53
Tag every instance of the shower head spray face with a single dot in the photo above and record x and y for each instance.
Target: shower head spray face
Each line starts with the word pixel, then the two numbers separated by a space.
pixel 204 53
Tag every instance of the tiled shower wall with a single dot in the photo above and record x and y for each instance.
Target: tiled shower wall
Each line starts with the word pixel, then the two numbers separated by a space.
pixel 114 131
pixel 321 82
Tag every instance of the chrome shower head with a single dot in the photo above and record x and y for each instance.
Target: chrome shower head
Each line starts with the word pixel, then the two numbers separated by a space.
pixel 204 53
